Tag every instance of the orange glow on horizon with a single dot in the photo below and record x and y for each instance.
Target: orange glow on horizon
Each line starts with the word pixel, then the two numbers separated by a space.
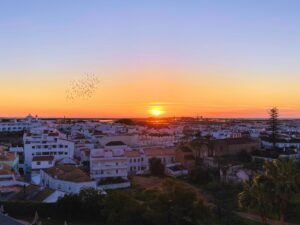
pixel 146 91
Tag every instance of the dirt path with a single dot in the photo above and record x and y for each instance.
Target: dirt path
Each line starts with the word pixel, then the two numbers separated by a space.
pixel 256 218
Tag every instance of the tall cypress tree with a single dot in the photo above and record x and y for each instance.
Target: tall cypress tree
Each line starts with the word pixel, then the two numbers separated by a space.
pixel 274 125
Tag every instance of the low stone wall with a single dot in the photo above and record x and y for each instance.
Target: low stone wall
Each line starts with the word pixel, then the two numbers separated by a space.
pixel 114 186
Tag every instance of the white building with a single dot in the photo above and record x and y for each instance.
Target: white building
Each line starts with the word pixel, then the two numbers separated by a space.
pixel 166 155
pixel 66 178
pixel 108 162
pixel 42 162
pixel 157 139
pixel 7 175
pixel 136 162
pixel 16 125
pixel 281 143
pixel 45 142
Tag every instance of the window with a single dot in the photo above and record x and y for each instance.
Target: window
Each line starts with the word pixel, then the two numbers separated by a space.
pixel 33 147
pixel 66 153
pixel 117 171
pixel 49 162
pixel 134 160
pixel 38 163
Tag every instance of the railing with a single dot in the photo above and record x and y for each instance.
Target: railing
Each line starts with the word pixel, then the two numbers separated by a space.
pixel 99 167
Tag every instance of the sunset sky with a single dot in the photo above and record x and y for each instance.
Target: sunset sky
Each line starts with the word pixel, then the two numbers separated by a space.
pixel 215 58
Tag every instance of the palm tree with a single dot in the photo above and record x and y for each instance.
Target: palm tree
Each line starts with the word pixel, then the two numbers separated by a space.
pixel 255 196
pixel 283 178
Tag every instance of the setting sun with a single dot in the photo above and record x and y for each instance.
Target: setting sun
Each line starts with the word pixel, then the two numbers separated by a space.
pixel 156 111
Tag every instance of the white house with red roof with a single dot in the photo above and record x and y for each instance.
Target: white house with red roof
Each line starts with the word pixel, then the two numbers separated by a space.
pixel 42 162
pixel 45 142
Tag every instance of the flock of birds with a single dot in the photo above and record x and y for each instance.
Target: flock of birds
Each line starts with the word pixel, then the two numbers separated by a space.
pixel 82 88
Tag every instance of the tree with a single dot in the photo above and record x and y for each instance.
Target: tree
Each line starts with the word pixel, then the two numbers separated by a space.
pixel 200 176
pixel 157 168
pixel 244 156
pixel 274 125
pixel 255 195
pixel 197 148
pixel 88 204
pixel 122 209
pixel 283 179
pixel 273 189
pixel 175 204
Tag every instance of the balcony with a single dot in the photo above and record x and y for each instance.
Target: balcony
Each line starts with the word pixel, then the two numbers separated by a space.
pixel 106 167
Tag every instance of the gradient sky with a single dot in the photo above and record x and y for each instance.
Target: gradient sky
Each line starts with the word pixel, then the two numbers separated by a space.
pixel 213 58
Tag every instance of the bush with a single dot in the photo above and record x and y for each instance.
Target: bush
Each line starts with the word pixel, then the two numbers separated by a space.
pixel 244 156
pixel 200 176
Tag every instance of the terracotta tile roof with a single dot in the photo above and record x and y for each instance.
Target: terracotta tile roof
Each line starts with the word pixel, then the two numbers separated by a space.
pixel 159 151
pixel 5 169
pixel 68 173
pixel 43 158
pixel 132 153
pixel 7 156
